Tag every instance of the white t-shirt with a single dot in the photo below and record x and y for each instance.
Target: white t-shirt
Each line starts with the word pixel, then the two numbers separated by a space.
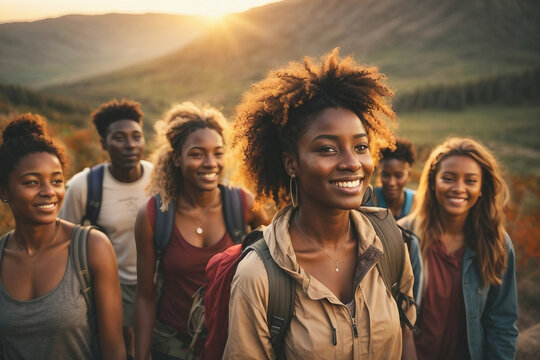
pixel 119 206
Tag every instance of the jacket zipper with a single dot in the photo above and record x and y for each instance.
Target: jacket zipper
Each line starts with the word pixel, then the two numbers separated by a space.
pixel 355 330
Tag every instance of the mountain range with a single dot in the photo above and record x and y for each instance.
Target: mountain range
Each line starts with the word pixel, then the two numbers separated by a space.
pixel 70 47
pixel 415 42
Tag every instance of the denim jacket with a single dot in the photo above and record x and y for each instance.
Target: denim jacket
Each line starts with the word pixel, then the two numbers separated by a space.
pixel 491 311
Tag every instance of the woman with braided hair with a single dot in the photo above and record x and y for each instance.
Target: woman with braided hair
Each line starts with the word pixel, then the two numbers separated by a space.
pixel 307 132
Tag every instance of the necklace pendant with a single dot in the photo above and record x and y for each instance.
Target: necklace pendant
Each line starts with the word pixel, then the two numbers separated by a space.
pixel 337 269
pixel 199 230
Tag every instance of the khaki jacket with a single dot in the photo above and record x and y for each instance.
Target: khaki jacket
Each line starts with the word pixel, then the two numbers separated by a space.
pixel 317 311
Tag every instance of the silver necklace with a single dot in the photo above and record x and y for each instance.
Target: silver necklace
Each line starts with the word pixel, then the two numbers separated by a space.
pixel 198 229
pixel 336 262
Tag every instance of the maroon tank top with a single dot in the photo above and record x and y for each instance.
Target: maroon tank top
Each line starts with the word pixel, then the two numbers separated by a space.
pixel 442 322
pixel 184 267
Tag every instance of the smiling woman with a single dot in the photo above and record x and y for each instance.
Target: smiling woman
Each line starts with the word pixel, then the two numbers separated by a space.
pixel 463 260
pixel 186 177
pixel 306 132
pixel 39 289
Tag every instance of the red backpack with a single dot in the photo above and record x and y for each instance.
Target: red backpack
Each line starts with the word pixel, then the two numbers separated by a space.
pixel 221 268
pixel 220 272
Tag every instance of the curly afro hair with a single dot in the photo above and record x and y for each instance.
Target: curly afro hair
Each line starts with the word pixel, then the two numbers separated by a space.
pixel 274 114
pixel 404 151
pixel 25 135
pixel 115 110
pixel 172 132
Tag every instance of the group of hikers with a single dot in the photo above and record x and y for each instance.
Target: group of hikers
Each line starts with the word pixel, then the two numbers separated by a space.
pixel 307 137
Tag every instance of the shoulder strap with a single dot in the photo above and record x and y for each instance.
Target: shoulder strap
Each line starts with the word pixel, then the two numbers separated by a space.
pixel 391 264
pixel 3 240
pixel 164 225
pixel 280 297
pixel 233 212
pixel 94 194
pixel 78 251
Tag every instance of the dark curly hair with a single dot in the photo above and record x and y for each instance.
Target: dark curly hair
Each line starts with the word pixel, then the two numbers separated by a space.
pixel 404 151
pixel 25 135
pixel 115 110
pixel 171 133
pixel 274 114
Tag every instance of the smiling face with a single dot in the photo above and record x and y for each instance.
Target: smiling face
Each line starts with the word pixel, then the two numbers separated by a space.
pixel 201 159
pixel 333 164
pixel 35 189
pixel 394 174
pixel 124 143
pixel 458 185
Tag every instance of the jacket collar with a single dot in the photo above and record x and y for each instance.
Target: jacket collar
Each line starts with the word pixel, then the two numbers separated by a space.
pixel 279 243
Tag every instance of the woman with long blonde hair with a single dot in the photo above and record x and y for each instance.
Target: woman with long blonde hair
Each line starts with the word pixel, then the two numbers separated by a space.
pixel 462 258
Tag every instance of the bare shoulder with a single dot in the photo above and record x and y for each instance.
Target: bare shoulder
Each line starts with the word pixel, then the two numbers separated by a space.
pixel 256 215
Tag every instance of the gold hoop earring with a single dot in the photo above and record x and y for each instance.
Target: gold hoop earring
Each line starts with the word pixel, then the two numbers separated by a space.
pixel 293 194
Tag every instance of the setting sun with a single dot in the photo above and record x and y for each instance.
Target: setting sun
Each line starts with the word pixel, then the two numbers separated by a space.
pixel 25 10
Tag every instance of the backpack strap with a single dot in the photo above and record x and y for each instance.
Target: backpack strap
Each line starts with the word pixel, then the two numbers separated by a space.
pixel 280 295
pixel 94 194
pixel 163 229
pixel 233 212
pixel 164 224
pixel 78 252
pixel 391 265
pixel 3 240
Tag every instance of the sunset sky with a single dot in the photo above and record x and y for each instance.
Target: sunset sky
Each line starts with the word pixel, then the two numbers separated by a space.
pixel 28 10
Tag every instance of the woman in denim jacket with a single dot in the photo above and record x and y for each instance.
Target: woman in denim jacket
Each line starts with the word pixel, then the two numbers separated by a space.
pixel 462 258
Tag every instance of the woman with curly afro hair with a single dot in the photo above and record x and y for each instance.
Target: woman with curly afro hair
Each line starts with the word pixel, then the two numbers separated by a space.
pixel 187 169
pixel 43 313
pixel 307 132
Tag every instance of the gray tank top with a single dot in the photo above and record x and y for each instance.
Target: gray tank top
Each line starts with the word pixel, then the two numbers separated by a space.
pixel 52 326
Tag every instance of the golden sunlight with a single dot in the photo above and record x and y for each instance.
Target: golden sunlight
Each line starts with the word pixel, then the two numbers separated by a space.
pixel 17 10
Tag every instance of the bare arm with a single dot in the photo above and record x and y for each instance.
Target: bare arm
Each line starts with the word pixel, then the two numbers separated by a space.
pixel 145 301
pixel 107 296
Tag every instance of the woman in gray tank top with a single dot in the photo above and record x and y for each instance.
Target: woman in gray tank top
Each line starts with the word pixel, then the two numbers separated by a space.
pixel 43 314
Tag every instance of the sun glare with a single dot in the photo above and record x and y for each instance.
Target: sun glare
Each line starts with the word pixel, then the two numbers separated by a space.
pixel 14 10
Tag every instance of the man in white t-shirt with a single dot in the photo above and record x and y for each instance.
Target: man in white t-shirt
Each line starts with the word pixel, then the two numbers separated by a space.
pixel 119 124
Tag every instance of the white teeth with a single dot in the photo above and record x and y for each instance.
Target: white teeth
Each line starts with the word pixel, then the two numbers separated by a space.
pixel 347 184
pixel 211 176
pixel 50 206
pixel 456 200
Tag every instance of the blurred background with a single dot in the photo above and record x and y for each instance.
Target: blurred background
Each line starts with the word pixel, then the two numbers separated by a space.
pixel 458 67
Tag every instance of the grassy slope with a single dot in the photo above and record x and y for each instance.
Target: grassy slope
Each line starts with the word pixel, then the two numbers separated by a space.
pixel 71 47
pixel 416 42
pixel 511 132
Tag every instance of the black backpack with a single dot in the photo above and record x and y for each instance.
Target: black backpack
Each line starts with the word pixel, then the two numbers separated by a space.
pixel 233 212
pixel 94 195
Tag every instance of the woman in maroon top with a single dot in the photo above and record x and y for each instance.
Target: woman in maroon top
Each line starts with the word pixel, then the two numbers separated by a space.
pixel 462 258
pixel 187 169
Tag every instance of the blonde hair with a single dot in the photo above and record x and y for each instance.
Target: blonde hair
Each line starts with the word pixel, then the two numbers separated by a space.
pixel 171 133
pixel 484 226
